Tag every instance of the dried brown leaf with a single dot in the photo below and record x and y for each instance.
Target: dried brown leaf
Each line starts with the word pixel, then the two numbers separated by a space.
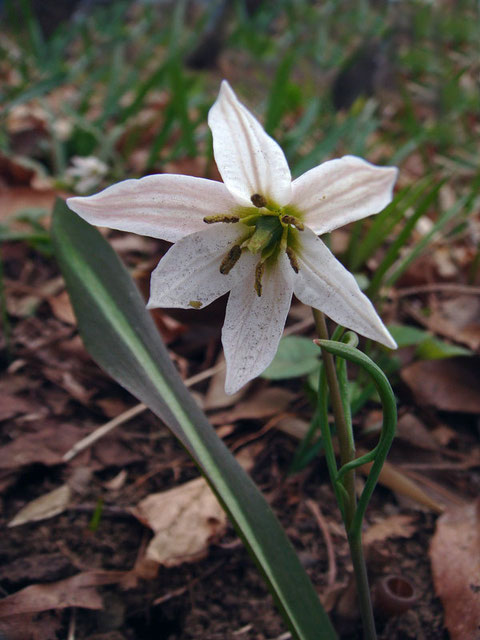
pixel 448 385
pixel 396 526
pixel 30 627
pixel 45 447
pixel 47 506
pixel 264 404
pixel 13 405
pixel 62 308
pixel 185 521
pixel 216 398
pixel 413 431
pixel 15 199
pixel 77 591
pixel 455 558
pixel 459 319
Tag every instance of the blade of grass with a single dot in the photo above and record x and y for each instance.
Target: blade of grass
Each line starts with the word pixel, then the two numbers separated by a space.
pixel 401 240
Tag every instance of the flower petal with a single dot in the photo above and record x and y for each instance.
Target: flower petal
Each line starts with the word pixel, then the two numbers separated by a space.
pixel 323 283
pixel 254 325
pixel 341 191
pixel 249 160
pixel 190 270
pixel 161 206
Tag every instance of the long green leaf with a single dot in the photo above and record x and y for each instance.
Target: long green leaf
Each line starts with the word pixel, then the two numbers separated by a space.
pixel 122 338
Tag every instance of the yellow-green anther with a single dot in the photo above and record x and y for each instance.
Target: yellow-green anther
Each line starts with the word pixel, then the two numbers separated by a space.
pixel 287 219
pixel 259 270
pixel 220 218
pixel 293 258
pixel 258 200
pixel 230 259
pixel 196 304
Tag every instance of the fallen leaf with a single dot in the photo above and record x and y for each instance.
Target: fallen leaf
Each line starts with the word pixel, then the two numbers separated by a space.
pixel 216 398
pixel 62 309
pixel 396 526
pixel 185 521
pixel 46 446
pixel 267 402
pixel 458 318
pixel 43 626
pixel 16 199
pixel 13 405
pixel 455 558
pixel 77 591
pixel 413 431
pixel 117 482
pixel 448 385
pixel 47 506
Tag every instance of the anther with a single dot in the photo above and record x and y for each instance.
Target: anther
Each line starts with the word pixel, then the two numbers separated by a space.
pixel 258 200
pixel 221 218
pixel 259 270
pixel 293 221
pixel 293 259
pixel 196 304
pixel 230 259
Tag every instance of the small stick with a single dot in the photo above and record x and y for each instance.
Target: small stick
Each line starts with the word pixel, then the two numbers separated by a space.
pixel 322 525
pixel 448 287
pixel 102 431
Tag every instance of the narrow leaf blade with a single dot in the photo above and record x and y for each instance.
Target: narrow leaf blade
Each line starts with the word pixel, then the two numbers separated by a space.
pixel 121 336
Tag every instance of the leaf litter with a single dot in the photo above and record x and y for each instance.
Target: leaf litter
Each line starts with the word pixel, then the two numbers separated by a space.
pixel 455 557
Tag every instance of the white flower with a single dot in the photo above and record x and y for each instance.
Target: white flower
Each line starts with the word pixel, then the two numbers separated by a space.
pixel 86 173
pixel 254 235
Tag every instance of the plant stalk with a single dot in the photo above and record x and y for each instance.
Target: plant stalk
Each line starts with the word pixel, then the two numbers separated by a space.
pixel 347 454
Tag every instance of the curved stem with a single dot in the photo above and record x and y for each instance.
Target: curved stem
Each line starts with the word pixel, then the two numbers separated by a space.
pixel 345 491
pixel 322 409
pixel 388 428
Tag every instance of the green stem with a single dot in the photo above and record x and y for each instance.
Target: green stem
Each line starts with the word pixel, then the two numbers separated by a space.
pixel 363 589
pixel 347 455
pixel 322 411
pixel 346 445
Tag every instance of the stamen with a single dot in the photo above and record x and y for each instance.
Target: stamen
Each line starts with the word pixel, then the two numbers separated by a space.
pixel 293 259
pixel 196 304
pixel 221 218
pixel 230 259
pixel 258 200
pixel 259 270
pixel 293 221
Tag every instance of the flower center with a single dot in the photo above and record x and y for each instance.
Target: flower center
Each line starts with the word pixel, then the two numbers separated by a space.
pixel 269 231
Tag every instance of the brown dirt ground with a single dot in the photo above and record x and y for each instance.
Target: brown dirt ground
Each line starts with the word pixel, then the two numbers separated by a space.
pixel 219 597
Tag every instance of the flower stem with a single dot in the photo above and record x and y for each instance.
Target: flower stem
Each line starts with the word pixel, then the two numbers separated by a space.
pixel 347 454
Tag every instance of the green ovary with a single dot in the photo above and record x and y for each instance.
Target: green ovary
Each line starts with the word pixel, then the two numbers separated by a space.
pixel 271 230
